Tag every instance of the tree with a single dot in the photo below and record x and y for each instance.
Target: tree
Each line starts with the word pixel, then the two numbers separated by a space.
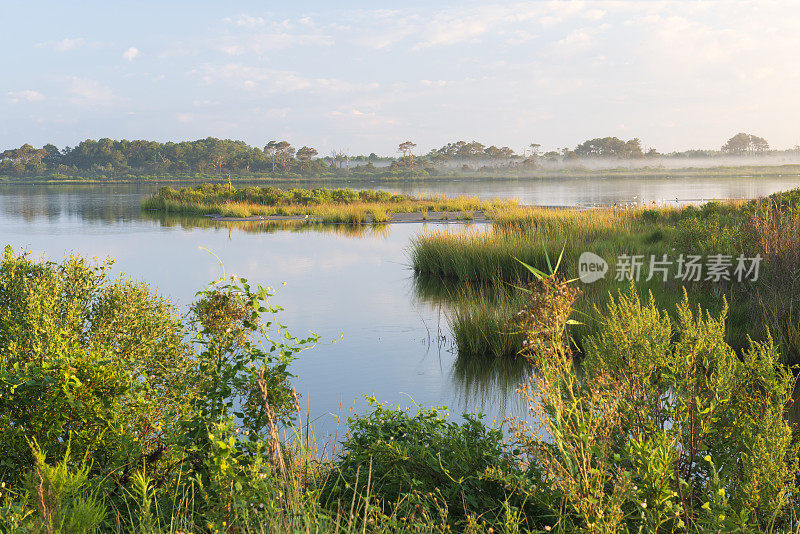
pixel 284 152
pixel 610 147
pixel 270 151
pixel 304 155
pixel 744 143
pixel 406 149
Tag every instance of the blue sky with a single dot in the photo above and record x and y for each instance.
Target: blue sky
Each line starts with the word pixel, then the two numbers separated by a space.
pixel 365 76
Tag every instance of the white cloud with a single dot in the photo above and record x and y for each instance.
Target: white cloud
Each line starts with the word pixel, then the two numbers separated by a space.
pixel 64 45
pixel 131 53
pixel 256 35
pixel 273 81
pixel 26 95
pixel 576 42
pixel 86 91
pixel 244 20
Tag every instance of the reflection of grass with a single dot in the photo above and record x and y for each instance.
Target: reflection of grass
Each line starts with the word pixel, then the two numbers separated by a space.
pixel 270 227
pixel 489 380
pixel 328 205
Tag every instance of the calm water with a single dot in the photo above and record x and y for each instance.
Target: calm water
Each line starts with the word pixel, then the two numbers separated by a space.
pixel 356 286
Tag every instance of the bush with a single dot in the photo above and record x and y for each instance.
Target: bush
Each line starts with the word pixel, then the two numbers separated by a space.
pixel 665 428
pixel 108 376
pixel 422 465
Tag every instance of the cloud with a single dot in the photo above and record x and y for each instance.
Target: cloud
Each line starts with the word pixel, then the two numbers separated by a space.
pixel 270 81
pixel 130 53
pixel 86 91
pixel 576 42
pixel 256 35
pixel 26 95
pixel 64 45
pixel 244 20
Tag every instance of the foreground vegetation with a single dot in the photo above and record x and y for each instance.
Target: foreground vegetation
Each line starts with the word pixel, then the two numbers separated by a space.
pixel 325 205
pixel 768 227
pixel 117 414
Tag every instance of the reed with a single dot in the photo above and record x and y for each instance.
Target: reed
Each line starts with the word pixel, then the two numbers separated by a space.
pixel 482 321
pixel 327 205
pixel 764 226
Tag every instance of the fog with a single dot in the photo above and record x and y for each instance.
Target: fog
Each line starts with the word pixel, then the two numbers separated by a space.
pixel 592 164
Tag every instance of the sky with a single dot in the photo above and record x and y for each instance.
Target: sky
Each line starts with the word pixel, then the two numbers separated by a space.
pixel 365 76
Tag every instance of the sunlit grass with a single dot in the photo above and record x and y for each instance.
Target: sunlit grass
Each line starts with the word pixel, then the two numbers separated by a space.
pixel 326 205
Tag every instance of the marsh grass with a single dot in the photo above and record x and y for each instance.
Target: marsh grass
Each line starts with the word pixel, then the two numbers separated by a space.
pixel 482 321
pixel 327 205
pixel 765 226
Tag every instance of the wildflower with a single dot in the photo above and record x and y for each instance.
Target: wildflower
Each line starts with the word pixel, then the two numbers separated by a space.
pixel 706 505
pixel 644 505
pixel 721 492
pixel 707 458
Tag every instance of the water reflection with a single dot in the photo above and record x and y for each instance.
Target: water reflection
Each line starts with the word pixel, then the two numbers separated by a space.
pixel 189 222
pixel 483 382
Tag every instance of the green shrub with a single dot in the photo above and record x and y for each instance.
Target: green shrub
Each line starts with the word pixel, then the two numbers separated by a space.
pixel 416 465
pixel 666 428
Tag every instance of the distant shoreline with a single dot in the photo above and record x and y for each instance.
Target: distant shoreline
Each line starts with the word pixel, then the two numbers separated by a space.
pixel 747 171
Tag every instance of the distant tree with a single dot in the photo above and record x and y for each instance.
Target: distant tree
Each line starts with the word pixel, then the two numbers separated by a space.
pixel 744 143
pixel 284 152
pixel 406 148
pixel 506 152
pixel 271 152
pixel 218 158
pixel 492 152
pixel 535 149
pixel 304 156
pixel 610 147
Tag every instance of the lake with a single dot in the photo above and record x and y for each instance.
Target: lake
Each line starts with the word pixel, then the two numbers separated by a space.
pixel 352 287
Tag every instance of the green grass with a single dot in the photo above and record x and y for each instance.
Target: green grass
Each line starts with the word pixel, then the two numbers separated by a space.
pixel 768 227
pixel 326 205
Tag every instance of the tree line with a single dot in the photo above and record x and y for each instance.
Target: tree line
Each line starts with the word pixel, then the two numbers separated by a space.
pixel 108 157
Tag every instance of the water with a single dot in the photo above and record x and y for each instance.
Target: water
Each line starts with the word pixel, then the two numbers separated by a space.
pixel 354 287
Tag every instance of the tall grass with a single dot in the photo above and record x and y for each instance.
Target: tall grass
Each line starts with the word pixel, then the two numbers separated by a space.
pixel 768 227
pixel 482 321
pixel 325 205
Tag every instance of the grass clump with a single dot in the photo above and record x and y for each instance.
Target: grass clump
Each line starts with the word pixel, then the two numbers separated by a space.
pixel 767 227
pixel 326 205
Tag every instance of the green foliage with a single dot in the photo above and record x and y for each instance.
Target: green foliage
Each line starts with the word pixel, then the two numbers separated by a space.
pixel 415 466
pixel 85 361
pixel 326 205
pixel 769 227
pixel 109 377
pixel 168 423
pixel 63 498
pixel 666 428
